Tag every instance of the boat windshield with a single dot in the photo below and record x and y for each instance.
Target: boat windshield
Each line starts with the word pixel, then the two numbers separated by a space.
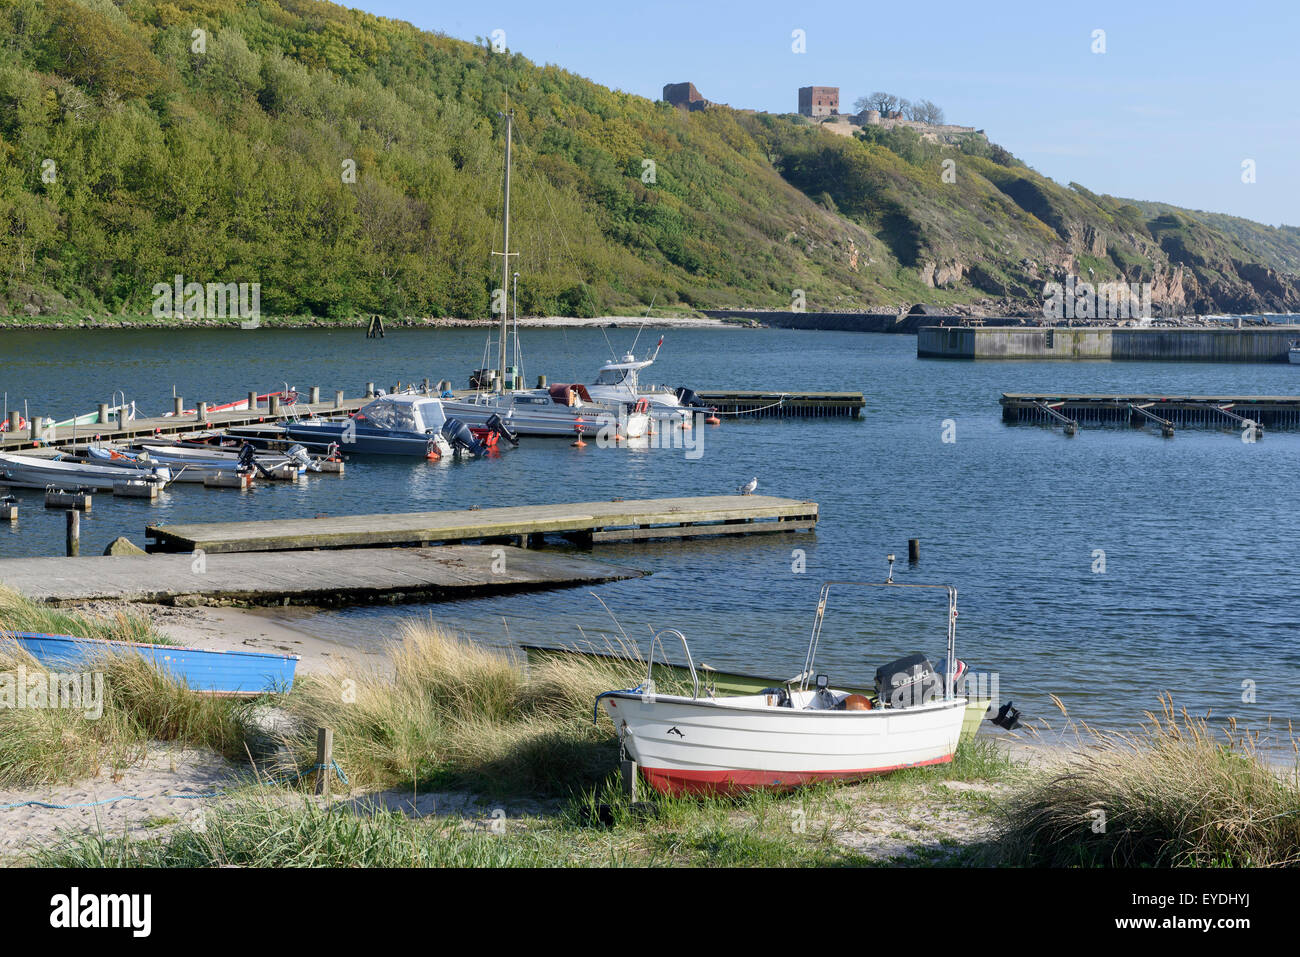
pixel 398 416
pixel 611 376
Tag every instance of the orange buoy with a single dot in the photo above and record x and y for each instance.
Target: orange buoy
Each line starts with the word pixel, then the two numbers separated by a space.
pixel 857 702
pixel 713 420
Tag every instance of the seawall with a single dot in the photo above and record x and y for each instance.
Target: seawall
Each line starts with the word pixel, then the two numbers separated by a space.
pixel 834 321
pixel 1269 344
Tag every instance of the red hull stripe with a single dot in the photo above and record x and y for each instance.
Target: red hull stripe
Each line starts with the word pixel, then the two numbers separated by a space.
pixel 677 781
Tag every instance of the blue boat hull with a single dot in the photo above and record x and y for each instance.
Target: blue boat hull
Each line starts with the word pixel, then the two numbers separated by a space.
pixel 365 440
pixel 201 669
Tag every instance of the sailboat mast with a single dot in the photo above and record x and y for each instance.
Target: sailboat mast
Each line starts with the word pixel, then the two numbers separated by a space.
pixel 505 257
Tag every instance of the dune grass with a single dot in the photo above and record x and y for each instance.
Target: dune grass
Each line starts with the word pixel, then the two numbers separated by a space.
pixel 19 614
pixel 1176 794
pixel 454 714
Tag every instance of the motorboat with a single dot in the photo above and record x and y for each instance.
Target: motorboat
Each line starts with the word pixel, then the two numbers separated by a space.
pixel 795 733
pixel 560 410
pixel 618 383
pixel 404 424
pixel 29 471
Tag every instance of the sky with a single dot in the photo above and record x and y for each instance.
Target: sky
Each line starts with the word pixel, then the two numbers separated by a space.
pixel 1179 102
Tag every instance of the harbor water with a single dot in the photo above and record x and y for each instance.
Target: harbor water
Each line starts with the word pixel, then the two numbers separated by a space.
pixel 1105 568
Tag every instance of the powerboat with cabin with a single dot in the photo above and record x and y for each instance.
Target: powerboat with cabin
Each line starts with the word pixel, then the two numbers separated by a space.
pixel 619 383
pixel 404 424
pixel 560 410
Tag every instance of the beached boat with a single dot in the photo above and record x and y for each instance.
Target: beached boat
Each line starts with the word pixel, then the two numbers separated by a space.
pixel 791 735
pixel 405 424
pixel 201 669
pixel 29 471
pixel 738 683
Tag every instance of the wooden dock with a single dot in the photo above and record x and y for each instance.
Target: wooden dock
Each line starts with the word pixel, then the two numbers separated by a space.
pixel 1228 412
pixel 584 523
pixel 326 579
pixel 777 405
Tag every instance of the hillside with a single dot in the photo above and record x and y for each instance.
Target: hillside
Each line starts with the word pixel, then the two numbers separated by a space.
pixel 127 156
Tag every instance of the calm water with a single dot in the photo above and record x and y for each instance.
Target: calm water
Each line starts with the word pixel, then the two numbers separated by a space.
pixel 1200 534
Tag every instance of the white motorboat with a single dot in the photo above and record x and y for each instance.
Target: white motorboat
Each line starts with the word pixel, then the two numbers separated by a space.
pixel 561 410
pixel 618 383
pixel 29 471
pixel 794 735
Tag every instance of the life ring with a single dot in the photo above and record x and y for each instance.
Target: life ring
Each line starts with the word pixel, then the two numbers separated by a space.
pixel 4 426
pixel 642 405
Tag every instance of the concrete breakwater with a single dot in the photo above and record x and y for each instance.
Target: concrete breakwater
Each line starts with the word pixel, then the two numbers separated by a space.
pixel 836 321
pixel 1269 344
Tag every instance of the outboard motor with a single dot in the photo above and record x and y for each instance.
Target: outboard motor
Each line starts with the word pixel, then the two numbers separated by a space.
pixel 907 682
pixel 688 398
pixel 1008 717
pixel 458 434
pixel 498 425
pixel 247 458
pixel 299 454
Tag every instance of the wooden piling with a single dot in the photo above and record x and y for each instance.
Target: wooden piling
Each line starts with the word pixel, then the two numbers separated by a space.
pixel 201 412
pixel 73 540
pixel 15 421
pixel 103 413
pixel 628 776
pixel 913 550
pixel 273 405
pixel 8 512
pixel 313 396
pixel 178 405
pixel 338 398
pixel 324 760
pixel 252 401
pixel 370 390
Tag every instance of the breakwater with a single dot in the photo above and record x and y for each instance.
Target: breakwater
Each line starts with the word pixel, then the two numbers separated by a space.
pixel 1225 344
pixel 835 321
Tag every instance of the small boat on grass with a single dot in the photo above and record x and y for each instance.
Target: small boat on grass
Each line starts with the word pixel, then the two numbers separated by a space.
pixel 210 671
pixel 796 734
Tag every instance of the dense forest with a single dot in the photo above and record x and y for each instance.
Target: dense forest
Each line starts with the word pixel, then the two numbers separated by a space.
pixel 352 164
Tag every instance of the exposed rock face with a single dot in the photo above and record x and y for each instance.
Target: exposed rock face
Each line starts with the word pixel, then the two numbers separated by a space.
pixel 939 275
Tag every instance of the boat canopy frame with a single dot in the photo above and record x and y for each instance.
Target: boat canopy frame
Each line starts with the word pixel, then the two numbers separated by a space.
pixel 950 665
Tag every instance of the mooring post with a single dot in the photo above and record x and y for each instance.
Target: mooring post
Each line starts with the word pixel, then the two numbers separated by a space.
pixel 103 413
pixel 36 423
pixel 273 405
pixel 338 398
pixel 541 382
pixel 252 401
pixel 178 404
pixel 15 421
pixel 913 550
pixel 627 768
pixel 324 760
pixel 370 390
pixel 201 413
pixel 314 396
pixel 74 532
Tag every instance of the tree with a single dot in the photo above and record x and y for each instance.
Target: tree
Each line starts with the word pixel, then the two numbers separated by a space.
pixel 884 102
pixel 927 112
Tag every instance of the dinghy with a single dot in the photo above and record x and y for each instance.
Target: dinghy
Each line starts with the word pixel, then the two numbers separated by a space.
pixel 210 671
pixel 28 471
pixel 795 734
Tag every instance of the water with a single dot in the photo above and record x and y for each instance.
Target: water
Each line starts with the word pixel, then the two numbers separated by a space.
pixel 1199 533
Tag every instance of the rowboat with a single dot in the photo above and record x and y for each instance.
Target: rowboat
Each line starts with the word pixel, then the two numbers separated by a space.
pixel 978 702
pixel 116 415
pixel 26 471
pixel 241 673
pixel 785 737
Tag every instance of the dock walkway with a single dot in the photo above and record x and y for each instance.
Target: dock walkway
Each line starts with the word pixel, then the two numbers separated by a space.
pixel 323 579
pixel 1183 411
pixel 526 525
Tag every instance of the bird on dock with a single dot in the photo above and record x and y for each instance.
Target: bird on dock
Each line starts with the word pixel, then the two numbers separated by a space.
pixel 748 487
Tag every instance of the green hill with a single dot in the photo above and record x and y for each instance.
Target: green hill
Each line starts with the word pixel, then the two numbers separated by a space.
pixel 133 148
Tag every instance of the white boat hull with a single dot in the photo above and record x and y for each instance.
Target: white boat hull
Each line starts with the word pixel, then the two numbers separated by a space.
pixel 554 421
pixel 32 472
pixel 1294 356
pixel 740 743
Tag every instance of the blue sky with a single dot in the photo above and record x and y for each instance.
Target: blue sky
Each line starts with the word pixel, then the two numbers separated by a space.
pixel 1184 93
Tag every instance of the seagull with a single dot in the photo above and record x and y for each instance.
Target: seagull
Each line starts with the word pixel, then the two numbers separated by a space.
pixel 748 487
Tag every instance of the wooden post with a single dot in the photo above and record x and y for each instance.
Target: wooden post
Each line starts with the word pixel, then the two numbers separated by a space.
pixel 324 760
pixel 541 382
pixel 913 550
pixel 629 776
pixel 178 404
pixel 313 397
pixel 338 398
pixel 273 405
pixel 74 532
pixel 252 401
pixel 370 390
pixel 14 419
pixel 36 423
pixel 103 413
pixel 201 412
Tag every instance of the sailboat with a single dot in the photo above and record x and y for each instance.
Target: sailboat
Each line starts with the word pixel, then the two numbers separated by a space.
pixel 561 410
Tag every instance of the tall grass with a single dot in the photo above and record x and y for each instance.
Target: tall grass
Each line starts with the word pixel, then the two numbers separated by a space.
pixel 19 614
pixel 1178 793
pixel 452 713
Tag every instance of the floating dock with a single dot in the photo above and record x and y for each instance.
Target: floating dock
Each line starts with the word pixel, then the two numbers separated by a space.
pixel 325 579
pixel 584 523
pixel 1141 343
pixel 775 405
pixel 1229 412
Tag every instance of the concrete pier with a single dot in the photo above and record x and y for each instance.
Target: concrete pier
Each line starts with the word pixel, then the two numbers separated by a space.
pixel 1228 412
pixel 323 579
pixel 582 522
pixel 1159 344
